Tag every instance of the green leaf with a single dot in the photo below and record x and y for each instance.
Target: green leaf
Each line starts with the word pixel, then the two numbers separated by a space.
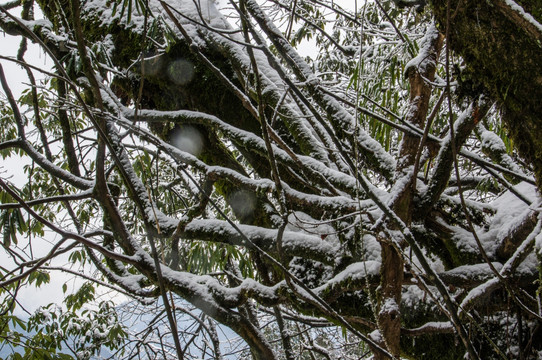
pixel 17 356
pixel 84 295
pixel 18 322
pixel 39 277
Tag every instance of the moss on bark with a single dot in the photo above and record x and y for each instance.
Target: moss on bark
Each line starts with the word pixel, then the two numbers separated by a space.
pixel 504 60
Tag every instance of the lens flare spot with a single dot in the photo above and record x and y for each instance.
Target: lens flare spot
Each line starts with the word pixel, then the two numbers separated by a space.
pixel 243 203
pixel 188 139
pixel 181 71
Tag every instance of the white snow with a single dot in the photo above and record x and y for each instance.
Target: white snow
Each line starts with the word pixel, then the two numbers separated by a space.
pixel 509 212
pixel 494 143
pixel 474 272
pixel 353 272
pixel 292 242
pixel 376 336
pixel 528 17
pixel 389 306
pixel 424 58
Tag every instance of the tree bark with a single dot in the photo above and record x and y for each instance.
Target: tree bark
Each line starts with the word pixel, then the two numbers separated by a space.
pixel 502 51
pixel 420 74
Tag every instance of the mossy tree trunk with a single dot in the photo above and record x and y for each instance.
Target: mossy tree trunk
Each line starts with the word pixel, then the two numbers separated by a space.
pixel 502 48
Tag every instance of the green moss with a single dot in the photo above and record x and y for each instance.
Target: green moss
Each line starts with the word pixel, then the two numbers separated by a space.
pixel 437 239
pixel 430 347
pixel 503 61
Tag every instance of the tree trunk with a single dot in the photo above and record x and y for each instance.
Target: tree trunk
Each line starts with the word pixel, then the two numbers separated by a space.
pixel 501 46
pixel 422 68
